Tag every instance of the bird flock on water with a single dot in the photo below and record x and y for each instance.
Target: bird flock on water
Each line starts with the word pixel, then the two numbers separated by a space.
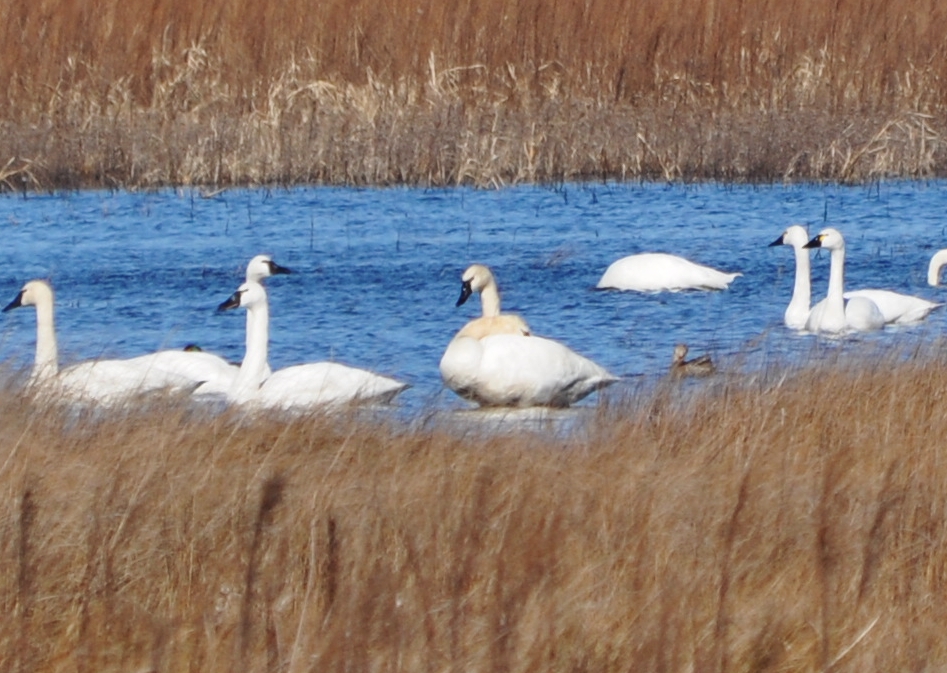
pixel 494 360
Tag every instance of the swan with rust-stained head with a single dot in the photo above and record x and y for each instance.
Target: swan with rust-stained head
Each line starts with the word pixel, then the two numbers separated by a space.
pixel 318 384
pixel 478 278
pixel 98 381
pixel 495 360
pixel 661 272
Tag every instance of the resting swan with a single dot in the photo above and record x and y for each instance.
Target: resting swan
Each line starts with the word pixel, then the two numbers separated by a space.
pixel 495 361
pixel 211 373
pixel 658 272
pixel 300 386
pixel 933 269
pixel 896 308
pixel 100 381
pixel 836 314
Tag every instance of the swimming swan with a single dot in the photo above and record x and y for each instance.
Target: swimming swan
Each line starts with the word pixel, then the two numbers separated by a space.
pixel 896 308
pixel 933 269
pixel 657 272
pixel 101 381
pixel 214 374
pixel 797 313
pixel 300 386
pixel 495 361
pixel 836 314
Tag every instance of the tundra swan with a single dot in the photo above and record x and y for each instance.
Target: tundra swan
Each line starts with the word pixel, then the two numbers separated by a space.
pixel 102 381
pixel 495 361
pixel 299 386
pixel 797 313
pixel 658 272
pixel 478 278
pixel 213 373
pixel 933 269
pixel 837 314
pixel 702 365
pixel 896 308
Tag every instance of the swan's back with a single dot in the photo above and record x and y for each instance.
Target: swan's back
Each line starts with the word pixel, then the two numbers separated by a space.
pixel 110 381
pixel 657 272
pixel 897 308
pixel 325 384
pixel 512 370
pixel 506 323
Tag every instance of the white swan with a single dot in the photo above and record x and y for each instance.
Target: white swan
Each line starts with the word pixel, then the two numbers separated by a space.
pixel 658 272
pixel 213 374
pixel 933 269
pixel 896 308
pixel 495 361
pixel 797 313
pixel 299 386
pixel 100 381
pixel 836 314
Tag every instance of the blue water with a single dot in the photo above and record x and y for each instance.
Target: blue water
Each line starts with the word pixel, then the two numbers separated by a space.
pixel 378 269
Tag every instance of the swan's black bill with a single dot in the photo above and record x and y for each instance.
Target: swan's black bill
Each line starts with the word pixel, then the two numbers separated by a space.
pixel 465 291
pixel 814 243
pixel 778 241
pixel 16 303
pixel 232 302
pixel 276 269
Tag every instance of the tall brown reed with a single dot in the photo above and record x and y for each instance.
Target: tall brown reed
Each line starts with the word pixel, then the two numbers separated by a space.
pixel 125 93
pixel 791 522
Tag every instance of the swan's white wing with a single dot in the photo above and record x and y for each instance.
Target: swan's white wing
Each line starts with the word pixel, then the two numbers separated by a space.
pixel 656 272
pixel 511 370
pixel 211 371
pixel 110 381
pixel 325 383
pixel 896 307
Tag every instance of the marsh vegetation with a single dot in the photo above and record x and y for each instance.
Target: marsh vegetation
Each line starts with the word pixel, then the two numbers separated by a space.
pixel 794 521
pixel 139 94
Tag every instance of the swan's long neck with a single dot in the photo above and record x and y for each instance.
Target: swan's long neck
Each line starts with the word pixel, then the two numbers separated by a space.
pixel 933 270
pixel 253 367
pixel 834 299
pixel 46 363
pixel 490 300
pixel 802 288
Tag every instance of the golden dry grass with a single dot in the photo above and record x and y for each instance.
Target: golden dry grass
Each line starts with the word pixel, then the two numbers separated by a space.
pixel 796 522
pixel 138 93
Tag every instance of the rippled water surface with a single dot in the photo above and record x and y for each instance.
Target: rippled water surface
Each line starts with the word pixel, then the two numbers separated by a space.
pixel 378 269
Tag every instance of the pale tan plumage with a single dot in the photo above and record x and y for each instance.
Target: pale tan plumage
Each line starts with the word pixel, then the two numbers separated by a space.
pixel 702 365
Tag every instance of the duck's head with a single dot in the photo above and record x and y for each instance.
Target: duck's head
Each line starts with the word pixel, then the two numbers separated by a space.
pixel 263 266
pixel 830 239
pixel 680 352
pixel 795 235
pixel 248 295
pixel 33 293
pixel 474 279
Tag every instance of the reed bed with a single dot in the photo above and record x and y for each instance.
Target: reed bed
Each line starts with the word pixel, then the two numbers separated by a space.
pixel 794 521
pixel 488 93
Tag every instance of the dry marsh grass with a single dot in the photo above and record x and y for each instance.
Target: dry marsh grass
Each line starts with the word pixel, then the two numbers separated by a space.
pixel 485 93
pixel 795 524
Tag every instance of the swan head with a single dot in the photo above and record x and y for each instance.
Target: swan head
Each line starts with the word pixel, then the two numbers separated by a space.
pixel 830 239
pixel 263 266
pixel 474 279
pixel 795 235
pixel 247 296
pixel 34 293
